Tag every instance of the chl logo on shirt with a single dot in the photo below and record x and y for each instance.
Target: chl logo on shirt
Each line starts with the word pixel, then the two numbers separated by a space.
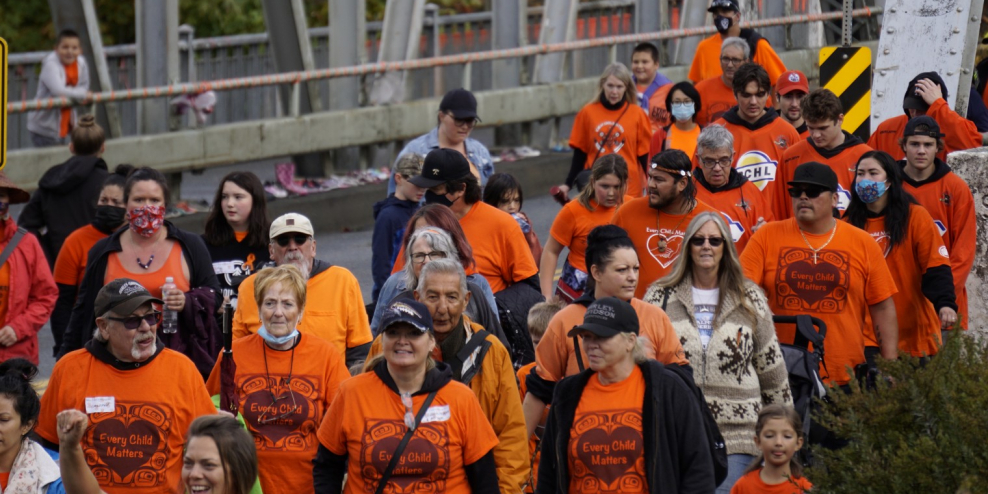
pixel 737 229
pixel 940 228
pixel 758 167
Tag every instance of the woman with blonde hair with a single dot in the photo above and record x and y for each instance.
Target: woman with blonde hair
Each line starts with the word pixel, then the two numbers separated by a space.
pixel 725 326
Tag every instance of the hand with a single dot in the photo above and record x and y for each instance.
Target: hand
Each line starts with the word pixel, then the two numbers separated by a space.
pixel 759 224
pixel 7 336
pixel 88 99
pixel 72 426
pixel 564 188
pixel 948 317
pixel 928 90
pixel 175 300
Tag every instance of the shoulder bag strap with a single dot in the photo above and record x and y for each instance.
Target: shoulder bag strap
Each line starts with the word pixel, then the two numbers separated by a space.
pixel 579 354
pixel 404 442
pixel 9 249
pixel 609 131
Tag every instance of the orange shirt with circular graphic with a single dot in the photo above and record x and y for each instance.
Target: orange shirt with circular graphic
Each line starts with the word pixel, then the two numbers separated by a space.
pixel 572 225
pixel 598 131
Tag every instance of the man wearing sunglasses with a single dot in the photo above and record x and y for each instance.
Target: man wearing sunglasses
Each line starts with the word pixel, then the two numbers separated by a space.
pixel 140 396
pixel 335 308
pixel 814 264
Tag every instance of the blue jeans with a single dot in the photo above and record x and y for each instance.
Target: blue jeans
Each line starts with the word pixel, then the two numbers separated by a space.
pixel 735 470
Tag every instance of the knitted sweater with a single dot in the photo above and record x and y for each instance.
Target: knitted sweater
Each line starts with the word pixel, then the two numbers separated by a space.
pixel 742 367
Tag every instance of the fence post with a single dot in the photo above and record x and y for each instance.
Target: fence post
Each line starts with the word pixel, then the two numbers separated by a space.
pixel 157 59
pixel 347 42
pixel 432 12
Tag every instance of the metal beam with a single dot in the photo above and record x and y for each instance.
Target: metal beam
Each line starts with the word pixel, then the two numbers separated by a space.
pixel 157 59
pixel 347 39
pixel 400 36
pixel 808 35
pixel 693 14
pixel 776 36
pixel 558 25
pixel 508 32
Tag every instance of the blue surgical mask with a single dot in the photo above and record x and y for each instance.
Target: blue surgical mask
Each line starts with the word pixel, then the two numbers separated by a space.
pixel 276 340
pixel 869 190
pixel 682 111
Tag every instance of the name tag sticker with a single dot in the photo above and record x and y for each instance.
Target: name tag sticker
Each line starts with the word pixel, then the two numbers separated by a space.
pixel 100 404
pixel 438 413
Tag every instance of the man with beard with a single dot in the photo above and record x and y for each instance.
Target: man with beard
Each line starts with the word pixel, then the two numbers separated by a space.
pixel 140 396
pixel 727 20
pixel 335 309
pixel 657 222
pixel 789 92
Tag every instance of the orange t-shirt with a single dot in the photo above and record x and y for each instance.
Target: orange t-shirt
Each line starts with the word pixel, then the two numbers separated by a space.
pixel 951 204
pixel 366 423
pixel 841 160
pixel 606 448
pixel 572 226
pixel 741 208
pixel 716 97
pixel 65 114
pixel 920 250
pixel 555 357
pixel 534 441
pixel 673 138
pixel 151 280
pixel 658 114
pixel 752 483
pixel 630 137
pixel 959 132
pixel 706 60
pixel 71 262
pixel 758 150
pixel 847 276
pixel 137 418
pixel 291 400
pixel 647 228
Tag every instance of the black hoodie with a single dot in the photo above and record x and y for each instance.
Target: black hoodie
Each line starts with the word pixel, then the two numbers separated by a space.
pixel 64 202
pixel 734 181
pixel 731 116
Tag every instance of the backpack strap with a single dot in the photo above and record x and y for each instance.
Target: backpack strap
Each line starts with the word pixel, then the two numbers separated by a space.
pixel 404 442
pixel 9 249
pixel 478 340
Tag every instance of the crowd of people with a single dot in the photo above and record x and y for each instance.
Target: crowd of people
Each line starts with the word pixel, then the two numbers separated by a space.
pixel 700 209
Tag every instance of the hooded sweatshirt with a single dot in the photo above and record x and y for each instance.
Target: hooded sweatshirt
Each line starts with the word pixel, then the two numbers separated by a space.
pixel 759 146
pixel 390 218
pixel 841 159
pixel 738 200
pixel 64 202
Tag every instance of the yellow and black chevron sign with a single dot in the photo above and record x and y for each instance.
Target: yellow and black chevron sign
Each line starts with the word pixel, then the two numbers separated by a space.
pixel 847 72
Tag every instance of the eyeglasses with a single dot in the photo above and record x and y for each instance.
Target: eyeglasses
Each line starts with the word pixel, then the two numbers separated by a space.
pixel 299 238
pixel 467 123
pixel 406 399
pixel 432 256
pixel 134 322
pixel 712 163
pixel 699 241
pixel 264 419
pixel 731 61
pixel 811 192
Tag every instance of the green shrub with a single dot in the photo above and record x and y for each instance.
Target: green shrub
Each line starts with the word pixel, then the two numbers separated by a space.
pixel 925 434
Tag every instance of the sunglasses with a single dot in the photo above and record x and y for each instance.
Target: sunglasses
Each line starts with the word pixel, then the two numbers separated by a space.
pixel 811 192
pixel 299 238
pixel 699 241
pixel 134 322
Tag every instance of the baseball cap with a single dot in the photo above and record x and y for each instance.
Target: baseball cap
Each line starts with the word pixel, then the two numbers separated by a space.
pixel 407 311
pixel 813 173
pixel 932 125
pixel 123 296
pixel 790 81
pixel 607 317
pixel 291 223
pixel 441 165
pixel 461 103
pixel 720 4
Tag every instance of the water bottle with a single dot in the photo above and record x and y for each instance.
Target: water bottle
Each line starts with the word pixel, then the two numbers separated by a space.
pixel 169 318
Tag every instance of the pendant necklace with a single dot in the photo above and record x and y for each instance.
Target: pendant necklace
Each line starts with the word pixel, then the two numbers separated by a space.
pixel 662 238
pixel 147 265
pixel 818 249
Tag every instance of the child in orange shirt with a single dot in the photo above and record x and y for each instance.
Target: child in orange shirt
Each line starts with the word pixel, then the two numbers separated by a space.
pixel 503 191
pixel 779 434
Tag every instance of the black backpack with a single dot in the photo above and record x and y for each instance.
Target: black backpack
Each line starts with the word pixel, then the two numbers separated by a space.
pixel 803 367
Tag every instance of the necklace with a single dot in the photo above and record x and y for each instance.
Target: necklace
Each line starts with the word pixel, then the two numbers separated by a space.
pixel 663 241
pixel 143 265
pixel 146 265
pixel 291 365
pixel 818 249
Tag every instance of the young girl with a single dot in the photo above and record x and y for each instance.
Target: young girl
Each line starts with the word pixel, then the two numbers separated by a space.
pixel 779 434
pixel 504 192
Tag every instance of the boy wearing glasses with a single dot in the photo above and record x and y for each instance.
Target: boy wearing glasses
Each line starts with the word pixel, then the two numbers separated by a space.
pixel 717 92
pixel 814 264
pixel 727 20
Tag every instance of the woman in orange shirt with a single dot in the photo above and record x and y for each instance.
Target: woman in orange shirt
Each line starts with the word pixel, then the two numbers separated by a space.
pixel 594 207
pixel 683 102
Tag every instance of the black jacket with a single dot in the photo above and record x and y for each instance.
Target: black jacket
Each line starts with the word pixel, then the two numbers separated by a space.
pixel 64 202
pixel 390 218
pixel 676 447
pixel 83 320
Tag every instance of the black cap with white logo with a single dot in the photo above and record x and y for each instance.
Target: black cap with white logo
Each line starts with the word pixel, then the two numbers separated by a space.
pixel 441 165
pixel 607 317
pixel 123 296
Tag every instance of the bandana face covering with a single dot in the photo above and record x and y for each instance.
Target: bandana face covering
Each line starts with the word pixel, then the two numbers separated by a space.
pixel 146 220
pixel 869 190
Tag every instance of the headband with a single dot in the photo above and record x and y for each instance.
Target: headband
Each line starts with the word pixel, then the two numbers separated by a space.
pixel 682 173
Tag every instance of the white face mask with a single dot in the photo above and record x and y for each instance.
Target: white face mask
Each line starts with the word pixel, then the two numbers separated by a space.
pixel 682 111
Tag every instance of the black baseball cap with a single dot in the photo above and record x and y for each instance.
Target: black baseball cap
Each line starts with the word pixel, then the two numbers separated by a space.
pixel 933 127
pixel 607 317
pixel 813 173
pixel 407 311
pixel 461 103
pixel 724 4
pixel 123 296
pixel 441 165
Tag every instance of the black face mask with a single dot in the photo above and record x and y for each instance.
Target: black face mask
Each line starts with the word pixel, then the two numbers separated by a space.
pixel 108 218
pixel 723 23
pixel 433 198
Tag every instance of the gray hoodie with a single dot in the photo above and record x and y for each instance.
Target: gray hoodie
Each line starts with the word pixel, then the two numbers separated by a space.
pixel 51 84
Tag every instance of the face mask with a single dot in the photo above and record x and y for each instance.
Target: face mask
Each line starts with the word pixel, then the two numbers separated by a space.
pixel 869 190
pixel 723 23
pixel 682 111
pixel 276 340
pixel 108 218
pixel 433 198
pixel 146 220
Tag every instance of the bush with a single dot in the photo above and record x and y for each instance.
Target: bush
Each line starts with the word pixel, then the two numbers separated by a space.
pixel 926 433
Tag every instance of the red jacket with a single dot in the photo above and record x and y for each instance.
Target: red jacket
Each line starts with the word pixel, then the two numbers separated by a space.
pixel 32 293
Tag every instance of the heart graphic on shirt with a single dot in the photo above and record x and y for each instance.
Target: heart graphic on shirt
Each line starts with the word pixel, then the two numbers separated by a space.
pixel 275 418
pixel 813 282
pixel 125 447
pixel 609 455
pixel 419 461
pixel 673 242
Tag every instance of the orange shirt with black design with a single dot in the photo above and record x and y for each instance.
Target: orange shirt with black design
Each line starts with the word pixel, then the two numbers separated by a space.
pixel 598 131
pixel 959 132
pixel 658 114
pixel 842 160
pixel 151 280
pixel 740 205
pixel 920 250
pixel 752 483
pixel 717 98
pixel 948 199
pixel 555 357
pixel 70 264
pixel 366 423
pixel 836 284
pixel 759 147
pixel 572 225
pixel 283 397
pixel 706 60
pixel 535 440
pixel 138 417
pixel 658 237
pixel 606 447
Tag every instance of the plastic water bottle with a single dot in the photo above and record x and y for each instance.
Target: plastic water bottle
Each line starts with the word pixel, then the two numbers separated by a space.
pixel 169 318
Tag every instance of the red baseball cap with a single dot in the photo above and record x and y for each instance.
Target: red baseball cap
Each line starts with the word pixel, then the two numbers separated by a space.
pixel 791 81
